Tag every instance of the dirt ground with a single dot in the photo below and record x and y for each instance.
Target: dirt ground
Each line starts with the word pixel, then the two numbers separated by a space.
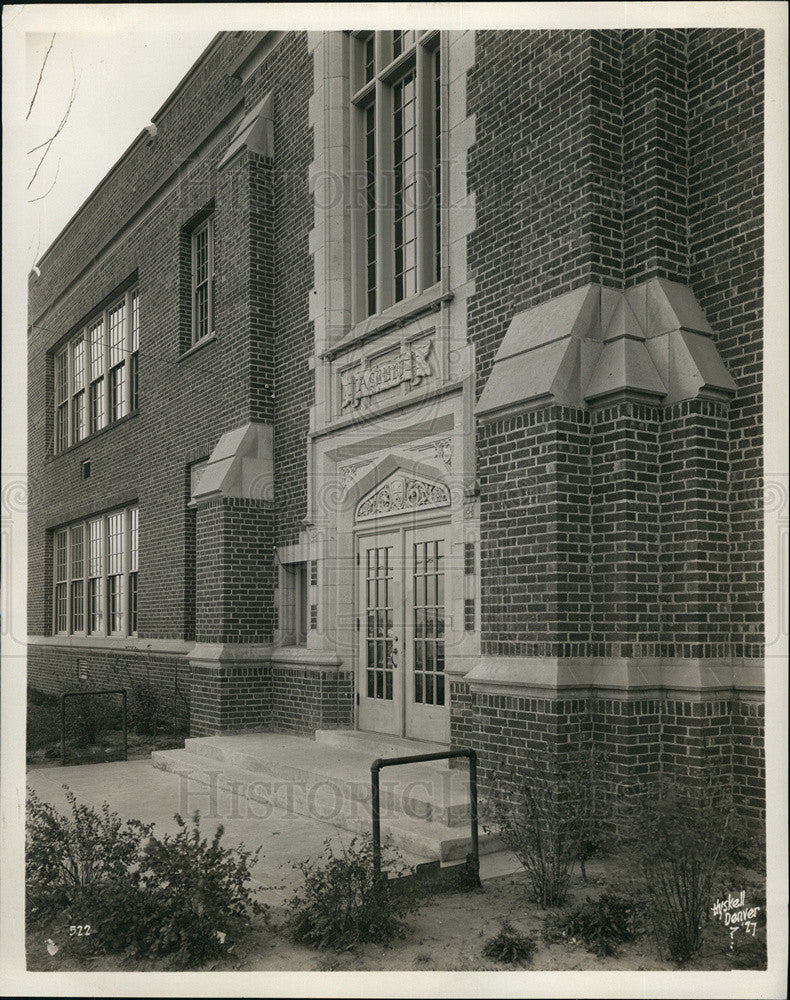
pixel 447 933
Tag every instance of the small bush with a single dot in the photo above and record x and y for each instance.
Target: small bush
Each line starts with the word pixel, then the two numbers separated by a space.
pixel 602 924
pixel 548 818
pixel 89 719
pixel 69 862
pixel 683 837
pixel 146 711
pixel 181 898
pixel 187 898
pixel 510 946
pixel 343 902
pixel 37 697
pixel 43 720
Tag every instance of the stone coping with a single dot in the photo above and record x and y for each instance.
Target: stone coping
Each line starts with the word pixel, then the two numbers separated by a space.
pixel 222 654
pixel 631 678
pixel 114 644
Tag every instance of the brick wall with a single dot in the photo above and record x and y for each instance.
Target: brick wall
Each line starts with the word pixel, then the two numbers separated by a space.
pixel 624 529
pixel 625 154
pixel 635 741
pixel 534 472
pixel 57 670
pixel 304 700
pixel 292 276
pixel 529 170
pixel 270 696
pixel 654 148
pixel 235 574
pixel 184 404
pixel 694 598
pixel 726 190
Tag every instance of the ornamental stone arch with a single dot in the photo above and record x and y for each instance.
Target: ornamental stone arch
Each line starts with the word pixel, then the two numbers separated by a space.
pixel 396 485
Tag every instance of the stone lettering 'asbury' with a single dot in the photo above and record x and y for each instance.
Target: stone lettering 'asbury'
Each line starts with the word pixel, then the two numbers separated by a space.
pixel 410 366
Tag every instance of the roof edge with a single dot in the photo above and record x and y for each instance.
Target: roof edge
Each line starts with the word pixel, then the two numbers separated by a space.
pixel 143 134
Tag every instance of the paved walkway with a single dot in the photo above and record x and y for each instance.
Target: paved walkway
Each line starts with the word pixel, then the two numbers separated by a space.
pixel 137 790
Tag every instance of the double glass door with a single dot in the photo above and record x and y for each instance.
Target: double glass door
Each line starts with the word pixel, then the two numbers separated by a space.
pixel 402 599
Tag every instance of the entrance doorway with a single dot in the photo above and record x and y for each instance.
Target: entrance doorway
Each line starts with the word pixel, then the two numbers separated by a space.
pixel 402 594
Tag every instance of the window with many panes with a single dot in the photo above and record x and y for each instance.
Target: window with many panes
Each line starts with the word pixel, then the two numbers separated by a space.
pixel 203 280
pixel 96 372
pixel 95 575
pixel 396 87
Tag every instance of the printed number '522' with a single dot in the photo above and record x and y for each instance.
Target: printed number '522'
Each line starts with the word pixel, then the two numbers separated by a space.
pixel 79 930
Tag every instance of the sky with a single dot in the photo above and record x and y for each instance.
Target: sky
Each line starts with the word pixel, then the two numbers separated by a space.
pixel 117 81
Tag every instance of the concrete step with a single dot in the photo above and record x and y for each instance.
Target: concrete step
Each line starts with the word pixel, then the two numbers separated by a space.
pixel 282 779
pixel 422 791
pixel 375 745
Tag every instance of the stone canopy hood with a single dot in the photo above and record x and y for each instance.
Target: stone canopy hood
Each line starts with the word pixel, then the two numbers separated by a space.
pixel 593 344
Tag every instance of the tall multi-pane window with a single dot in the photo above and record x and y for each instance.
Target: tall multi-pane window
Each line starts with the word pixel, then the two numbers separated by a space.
pixel 96 372
pixel 77 574
pixel 95 575
pixel 396 86
pixel 78 423
pixel 203 280
pixel 133 540
pixel 117 322
pixel 61 581
pixel 98 413
pixel 62 401
pixel 115 548
pixel 404 163
pixel 135 350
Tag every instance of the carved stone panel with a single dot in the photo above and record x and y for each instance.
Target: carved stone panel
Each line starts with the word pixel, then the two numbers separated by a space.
pixel 400 493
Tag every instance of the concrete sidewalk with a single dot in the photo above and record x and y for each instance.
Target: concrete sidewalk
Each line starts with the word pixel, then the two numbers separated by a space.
pixel 136 790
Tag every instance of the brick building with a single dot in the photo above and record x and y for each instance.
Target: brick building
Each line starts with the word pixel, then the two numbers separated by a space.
pixel 411 382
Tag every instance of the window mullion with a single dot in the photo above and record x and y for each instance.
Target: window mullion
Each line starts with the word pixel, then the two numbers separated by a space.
pixel 424 207
pixel 442 207
pixel 210 237
pixel 69 392
pixel 385 208
pixel 69 564
pixel 127 353
pixel 358 213
pixel 105 570
pixel 125 520
pixel 105 350
pixel 55 584
pixel 193 267
pixel 68 581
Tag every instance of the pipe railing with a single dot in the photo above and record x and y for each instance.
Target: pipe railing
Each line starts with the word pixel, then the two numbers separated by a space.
pixel 473 859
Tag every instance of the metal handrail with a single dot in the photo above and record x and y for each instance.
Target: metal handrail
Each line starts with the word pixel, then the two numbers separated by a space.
pixel 86 694
pixel 473 859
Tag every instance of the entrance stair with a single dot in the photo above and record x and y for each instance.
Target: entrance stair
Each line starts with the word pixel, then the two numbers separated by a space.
pixel 424 807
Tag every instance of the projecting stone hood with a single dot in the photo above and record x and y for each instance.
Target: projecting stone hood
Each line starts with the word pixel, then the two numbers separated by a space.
pixel 592 344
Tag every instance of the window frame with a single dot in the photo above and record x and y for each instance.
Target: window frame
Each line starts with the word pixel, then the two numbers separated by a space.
pixel 86 408
pixel 374 215
pixel 293 613
pixel 206 226
pixel 90 580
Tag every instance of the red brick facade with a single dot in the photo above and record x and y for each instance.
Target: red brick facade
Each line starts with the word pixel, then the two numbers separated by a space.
pixel 619 525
